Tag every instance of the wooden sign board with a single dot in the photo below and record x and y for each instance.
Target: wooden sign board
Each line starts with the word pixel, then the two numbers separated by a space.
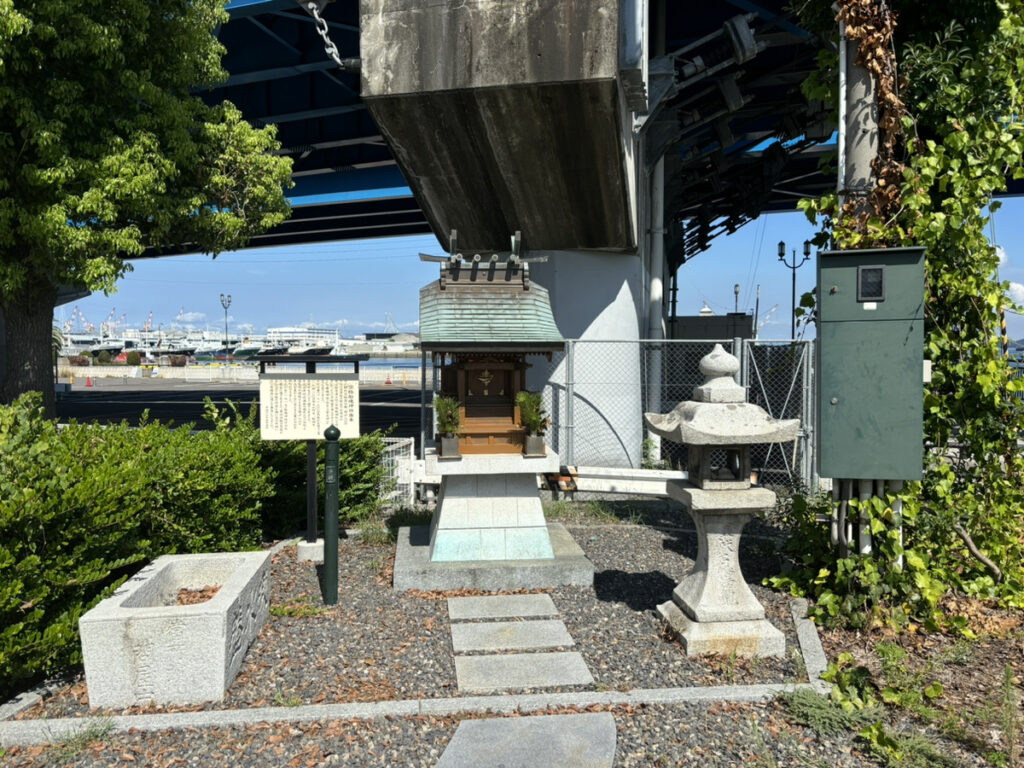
pixel 300 406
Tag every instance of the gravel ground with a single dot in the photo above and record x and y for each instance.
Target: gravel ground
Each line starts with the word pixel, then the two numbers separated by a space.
pixel 376 645
pixel 618 632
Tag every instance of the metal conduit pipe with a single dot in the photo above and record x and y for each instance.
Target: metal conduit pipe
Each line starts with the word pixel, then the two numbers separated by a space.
pixel 865 490
pixel 843 522
pixel 655 309
pixel 895 487
pixel 833 528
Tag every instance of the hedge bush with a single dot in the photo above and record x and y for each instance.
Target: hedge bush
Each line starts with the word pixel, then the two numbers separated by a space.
pixel 362 477
pixel 82 507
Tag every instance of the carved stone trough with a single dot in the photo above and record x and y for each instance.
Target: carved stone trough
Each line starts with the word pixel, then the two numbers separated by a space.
pixel 712 610
pixel 139 646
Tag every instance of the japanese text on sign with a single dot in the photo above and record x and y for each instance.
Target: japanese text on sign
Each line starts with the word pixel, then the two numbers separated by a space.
pixel 296 406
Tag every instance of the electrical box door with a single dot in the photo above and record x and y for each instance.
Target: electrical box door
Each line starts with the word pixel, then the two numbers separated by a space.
pixel 870 363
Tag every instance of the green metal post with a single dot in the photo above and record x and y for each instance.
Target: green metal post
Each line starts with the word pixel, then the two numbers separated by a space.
pixel 331 434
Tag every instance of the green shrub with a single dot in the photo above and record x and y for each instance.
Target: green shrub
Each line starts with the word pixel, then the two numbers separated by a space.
pixel 133 358
pixel 67 533
pixel 361 475
pixel 80 360
pixel 82 507
pixel 103 358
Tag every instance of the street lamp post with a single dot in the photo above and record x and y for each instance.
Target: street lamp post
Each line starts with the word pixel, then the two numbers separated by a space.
pixel 793 268
pixel 225 301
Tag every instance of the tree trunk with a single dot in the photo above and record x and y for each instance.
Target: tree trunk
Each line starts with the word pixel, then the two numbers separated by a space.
pixel 26 349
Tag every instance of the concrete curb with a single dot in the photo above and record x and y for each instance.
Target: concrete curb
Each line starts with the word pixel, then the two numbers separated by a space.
pixel 29 732
pixel 815 661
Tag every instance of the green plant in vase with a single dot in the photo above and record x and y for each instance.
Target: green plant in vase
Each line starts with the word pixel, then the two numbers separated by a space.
pixel 446 410
pixel 534 419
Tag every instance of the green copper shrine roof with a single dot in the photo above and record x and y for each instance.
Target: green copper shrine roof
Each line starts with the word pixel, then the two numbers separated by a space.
pixel 487 315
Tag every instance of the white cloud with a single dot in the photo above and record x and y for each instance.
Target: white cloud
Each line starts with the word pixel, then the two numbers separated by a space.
pixel 1001 255
pixel 191 317
pixel 1016 293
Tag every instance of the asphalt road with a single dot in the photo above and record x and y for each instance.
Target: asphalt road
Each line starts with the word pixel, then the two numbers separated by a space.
pixel 114 400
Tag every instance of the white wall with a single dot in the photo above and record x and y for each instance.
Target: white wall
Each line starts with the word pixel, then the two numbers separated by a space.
pixel 596 298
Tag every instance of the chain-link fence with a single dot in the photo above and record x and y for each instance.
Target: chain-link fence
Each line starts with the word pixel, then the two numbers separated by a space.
pixel 596 393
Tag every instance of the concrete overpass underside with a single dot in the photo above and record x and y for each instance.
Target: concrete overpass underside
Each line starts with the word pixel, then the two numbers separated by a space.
pixel 529 111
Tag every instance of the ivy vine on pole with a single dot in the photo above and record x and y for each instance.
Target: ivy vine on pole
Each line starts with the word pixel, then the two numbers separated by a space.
pixel 950 136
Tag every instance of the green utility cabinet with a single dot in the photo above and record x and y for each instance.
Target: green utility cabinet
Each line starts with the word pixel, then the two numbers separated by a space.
pixel 870 361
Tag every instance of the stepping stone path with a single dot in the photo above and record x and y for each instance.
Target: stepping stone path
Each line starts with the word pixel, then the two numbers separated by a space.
pixel 522 624
pixel 512 623
pixel 552 741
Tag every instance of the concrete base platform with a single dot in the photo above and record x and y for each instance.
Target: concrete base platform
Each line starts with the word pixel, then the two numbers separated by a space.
pixel 743 638
pixel 414 570
pixel 310 551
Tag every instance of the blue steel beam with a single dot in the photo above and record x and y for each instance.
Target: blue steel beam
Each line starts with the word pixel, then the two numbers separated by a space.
pixel 308 114
pixel 241 8
pixel 764 13
pixel 309 19
pixel 349 186
pixel 277 73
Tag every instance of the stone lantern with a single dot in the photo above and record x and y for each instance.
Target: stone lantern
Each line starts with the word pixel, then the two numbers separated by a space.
pixel 712 609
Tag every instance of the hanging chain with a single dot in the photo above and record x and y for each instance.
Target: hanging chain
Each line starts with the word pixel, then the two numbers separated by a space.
pixel 321 27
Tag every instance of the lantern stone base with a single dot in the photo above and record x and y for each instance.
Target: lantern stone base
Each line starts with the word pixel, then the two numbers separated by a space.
pixel 713 609
pixel 741 638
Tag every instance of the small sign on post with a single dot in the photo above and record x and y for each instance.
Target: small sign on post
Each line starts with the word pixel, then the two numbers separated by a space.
pixel 300 406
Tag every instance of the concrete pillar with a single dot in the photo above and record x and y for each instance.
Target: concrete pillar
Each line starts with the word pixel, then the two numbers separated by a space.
pixel 595 298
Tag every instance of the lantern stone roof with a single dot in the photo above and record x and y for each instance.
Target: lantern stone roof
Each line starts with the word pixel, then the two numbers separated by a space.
pixel 487 307
pixel 718 413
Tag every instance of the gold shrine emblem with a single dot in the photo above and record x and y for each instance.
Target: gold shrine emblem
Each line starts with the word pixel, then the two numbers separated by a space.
pixel 485 378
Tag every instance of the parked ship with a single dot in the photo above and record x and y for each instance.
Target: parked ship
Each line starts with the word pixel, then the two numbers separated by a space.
pixel 303 341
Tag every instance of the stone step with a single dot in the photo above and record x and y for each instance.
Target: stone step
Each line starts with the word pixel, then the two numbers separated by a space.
pixel 500 607
pixel 510 636
pixel 553 741
pixel 481 674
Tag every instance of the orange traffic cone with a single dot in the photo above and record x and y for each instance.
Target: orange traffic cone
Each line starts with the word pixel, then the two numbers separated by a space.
pixel 88 381
pixel 388 379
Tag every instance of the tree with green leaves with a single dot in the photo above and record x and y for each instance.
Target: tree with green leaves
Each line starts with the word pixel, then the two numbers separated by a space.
pixel 106 149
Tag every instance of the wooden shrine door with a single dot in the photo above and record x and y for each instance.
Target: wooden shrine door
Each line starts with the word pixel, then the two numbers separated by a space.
pixel 487 392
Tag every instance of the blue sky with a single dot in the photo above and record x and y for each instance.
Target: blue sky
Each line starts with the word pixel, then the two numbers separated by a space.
pixel 355 285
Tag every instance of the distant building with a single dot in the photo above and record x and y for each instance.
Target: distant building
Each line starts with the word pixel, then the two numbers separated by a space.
pixel 707 326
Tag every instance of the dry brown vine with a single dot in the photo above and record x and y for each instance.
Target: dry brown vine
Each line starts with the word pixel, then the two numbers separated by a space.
pixel 870 24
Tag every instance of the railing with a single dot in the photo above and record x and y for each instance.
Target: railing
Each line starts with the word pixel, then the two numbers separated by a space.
pixel 399 456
